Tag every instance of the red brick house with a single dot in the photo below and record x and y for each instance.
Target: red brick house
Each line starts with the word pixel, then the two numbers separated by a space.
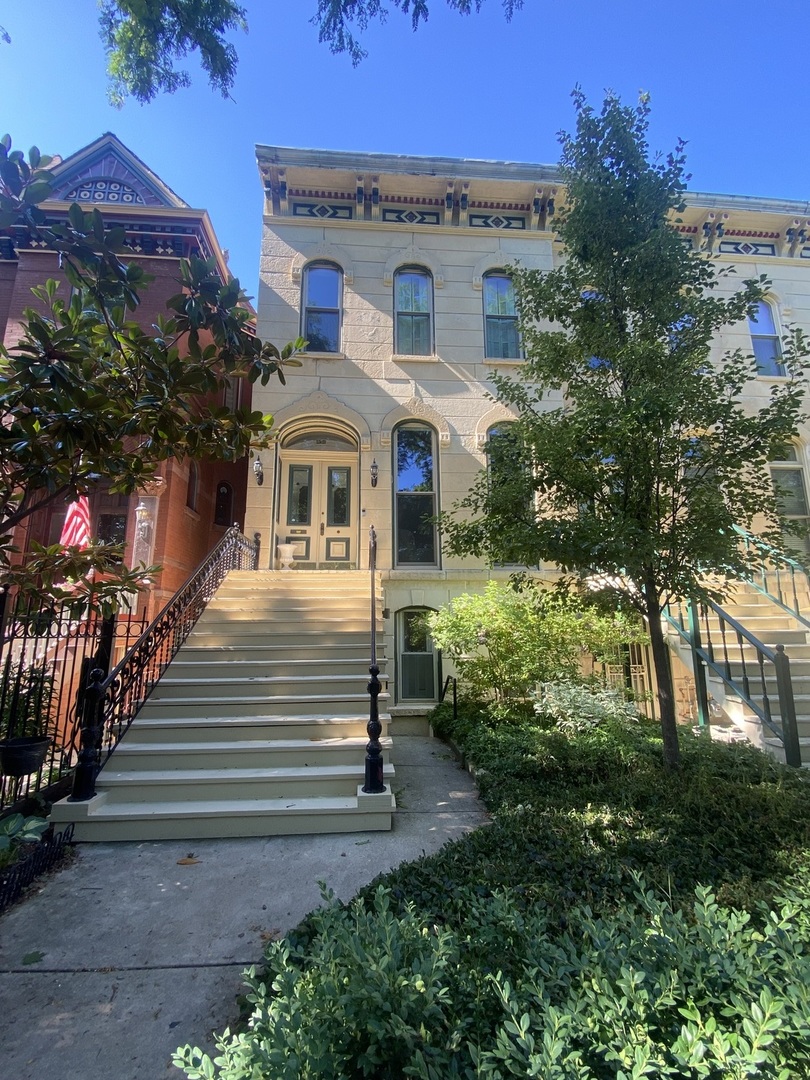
pixel 180 518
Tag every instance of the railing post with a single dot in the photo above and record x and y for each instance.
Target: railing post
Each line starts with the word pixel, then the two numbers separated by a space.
pixel 87 766
pixel 701 689
pixel 257 541
pixel 787 709
pixel 374 763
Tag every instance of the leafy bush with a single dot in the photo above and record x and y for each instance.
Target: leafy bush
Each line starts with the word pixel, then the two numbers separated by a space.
pixel 504 641
pixel 577 706
pixel 26 700
pixel 641 992
pixel 16 830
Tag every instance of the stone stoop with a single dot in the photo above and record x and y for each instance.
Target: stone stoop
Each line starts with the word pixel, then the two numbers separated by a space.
pixel 258 726
pixel 772 626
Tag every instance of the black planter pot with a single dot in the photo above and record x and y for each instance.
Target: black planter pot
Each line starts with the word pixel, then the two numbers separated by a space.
pixel 20 757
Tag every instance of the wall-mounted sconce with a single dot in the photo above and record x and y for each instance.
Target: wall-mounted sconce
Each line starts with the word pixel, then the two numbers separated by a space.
pixel 375 472
pixel 258 471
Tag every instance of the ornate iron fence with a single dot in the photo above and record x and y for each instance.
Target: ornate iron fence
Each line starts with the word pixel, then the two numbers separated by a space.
pixel 113 701
pixel 46 652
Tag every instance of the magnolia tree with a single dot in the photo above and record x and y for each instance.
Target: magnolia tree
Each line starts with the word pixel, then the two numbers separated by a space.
pixel 636 481
pixel 87 393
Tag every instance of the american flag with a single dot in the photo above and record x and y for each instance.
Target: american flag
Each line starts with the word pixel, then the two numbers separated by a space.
pixel 76 530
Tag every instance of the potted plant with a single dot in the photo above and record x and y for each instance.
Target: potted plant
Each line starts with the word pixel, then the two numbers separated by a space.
pixel 26 718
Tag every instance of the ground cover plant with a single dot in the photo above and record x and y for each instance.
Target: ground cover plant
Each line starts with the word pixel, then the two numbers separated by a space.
pixel 612 922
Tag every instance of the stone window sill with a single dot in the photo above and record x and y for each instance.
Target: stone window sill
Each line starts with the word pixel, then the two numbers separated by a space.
pixel 322 355
pixel 407 358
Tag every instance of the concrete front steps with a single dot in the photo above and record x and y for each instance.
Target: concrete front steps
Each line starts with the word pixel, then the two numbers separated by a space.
pixel 258 726
pixel 772 626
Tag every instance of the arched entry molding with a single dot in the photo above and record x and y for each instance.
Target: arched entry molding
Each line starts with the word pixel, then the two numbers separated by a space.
pixel 320 404
pixel 498 414
pixel 326 253
pixel 414 256
pixel 415 409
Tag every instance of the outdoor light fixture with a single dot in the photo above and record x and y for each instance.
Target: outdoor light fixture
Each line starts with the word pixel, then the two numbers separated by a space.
pixel 375 472
pixel 258 471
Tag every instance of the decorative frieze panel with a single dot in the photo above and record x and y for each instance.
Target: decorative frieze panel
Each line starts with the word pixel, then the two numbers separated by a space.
pixel 322 211
pixel 497 221
pixel 410 216
pixel 746 247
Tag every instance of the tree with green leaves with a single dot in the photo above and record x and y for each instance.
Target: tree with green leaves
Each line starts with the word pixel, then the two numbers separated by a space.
pixel 147 40
pixel 634 476
pixel 87 394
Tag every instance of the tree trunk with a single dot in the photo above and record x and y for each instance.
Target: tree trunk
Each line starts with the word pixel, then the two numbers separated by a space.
pixel 666 692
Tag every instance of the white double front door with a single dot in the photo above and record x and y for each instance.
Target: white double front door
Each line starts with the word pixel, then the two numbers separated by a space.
pixel 318 508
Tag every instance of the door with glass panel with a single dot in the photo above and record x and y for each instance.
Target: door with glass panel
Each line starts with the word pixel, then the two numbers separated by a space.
pixel 318 502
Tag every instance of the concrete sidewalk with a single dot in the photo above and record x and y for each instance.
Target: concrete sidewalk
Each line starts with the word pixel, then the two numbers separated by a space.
pixel 127 954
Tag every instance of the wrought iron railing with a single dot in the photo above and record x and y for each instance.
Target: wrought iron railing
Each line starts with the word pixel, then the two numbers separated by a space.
pixel 782 579
pixel 756 673
pixel 112 702
pixel 451 680
pixel 374 762
pixel 46 652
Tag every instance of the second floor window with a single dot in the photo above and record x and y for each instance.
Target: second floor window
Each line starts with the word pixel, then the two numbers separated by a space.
pixel 413 312
pixel 765 340
pixel 320 324
pixel 500 317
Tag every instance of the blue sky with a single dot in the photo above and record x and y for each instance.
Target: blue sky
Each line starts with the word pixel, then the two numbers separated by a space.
pixel 729 76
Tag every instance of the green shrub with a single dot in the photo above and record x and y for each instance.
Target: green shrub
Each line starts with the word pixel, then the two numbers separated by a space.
pixel 504 641
pixel 576 706
pixel 641 992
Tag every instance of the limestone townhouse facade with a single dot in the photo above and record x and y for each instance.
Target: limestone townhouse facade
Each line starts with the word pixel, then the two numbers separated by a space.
pixel 396 270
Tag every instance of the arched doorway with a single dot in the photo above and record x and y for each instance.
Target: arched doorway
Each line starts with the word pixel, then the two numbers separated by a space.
pixel 318 496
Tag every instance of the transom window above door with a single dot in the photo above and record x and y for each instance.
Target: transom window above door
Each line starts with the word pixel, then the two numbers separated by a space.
pixel 413 311
pixel 322 290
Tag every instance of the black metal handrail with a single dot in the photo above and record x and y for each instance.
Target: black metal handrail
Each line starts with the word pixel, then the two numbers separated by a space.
pixel 111 703
pixel 777 576
pixel 693 624
pixel 451 680
pixel 374 763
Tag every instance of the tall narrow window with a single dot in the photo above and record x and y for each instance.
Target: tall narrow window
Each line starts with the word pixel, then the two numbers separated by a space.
pixel 320 324
pixel 500 317
pixel 415 495
pixel 193 485
pixel 413 311
pixel 791 495
pixel 765 340
pixel 223 508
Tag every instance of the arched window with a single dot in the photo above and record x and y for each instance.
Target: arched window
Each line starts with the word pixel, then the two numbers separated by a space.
pixel 791 496
pixel 415 494
pixel 765 340
pixel 413 311
pixel 223 507
pixel 418 660
pixel 322 290
pixel 500 317
pixel 193 485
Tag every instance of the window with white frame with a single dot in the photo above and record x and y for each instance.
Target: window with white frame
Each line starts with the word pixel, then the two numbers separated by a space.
pixel 765 340
pixel 413 311
pixel 415 494
pixel 790 486
pixel 501 339
pixel 322 289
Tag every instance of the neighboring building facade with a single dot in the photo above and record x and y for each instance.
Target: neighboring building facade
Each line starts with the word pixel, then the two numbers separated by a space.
pixel 396 271
pixel 178 519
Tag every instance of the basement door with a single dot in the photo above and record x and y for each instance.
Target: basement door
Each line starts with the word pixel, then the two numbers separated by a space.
pixel 318 511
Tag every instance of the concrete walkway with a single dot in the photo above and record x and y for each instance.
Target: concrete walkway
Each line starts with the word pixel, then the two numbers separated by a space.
pixel 127 954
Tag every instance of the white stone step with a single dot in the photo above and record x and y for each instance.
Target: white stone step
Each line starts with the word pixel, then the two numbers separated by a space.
pixel 281 726
pixel 253 753
pixel 269 687
pixel 100 821
pixel 255 705
pixel 188 784
pixel 264 653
